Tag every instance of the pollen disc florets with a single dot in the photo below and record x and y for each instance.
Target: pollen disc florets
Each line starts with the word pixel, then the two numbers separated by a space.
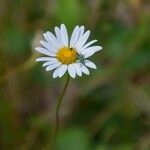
pixel 67 55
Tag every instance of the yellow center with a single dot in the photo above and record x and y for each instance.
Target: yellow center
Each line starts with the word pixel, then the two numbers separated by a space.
pixel 67 55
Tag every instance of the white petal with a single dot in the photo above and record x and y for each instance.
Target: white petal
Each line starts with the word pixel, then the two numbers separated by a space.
pixel 49 63
pixel 53 39
pixel 53 66
pixel 72 71
pixel 48 46
pixel 90 51
pixel 85 69
pixel 78 70
pixel 56 72
pixel 44 51
pixel 87 45
pixel 62 70
pixel 74 36
pixel 83 40
pixel 47 38
pixel 90 64
pixel 81 31
pixel 46 59
pixel 64 35
pixel 58 35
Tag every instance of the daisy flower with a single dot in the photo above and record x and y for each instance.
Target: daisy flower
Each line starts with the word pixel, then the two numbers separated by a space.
pixel 64 55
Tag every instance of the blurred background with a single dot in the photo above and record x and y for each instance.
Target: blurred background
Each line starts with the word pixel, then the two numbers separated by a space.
pixel 108 110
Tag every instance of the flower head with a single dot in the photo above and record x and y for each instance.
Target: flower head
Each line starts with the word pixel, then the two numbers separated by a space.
pixel 64 55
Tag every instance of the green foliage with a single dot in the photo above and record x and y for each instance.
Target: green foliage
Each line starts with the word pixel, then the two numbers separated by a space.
pixel 74 138
pixel 15 41
pixel 71 12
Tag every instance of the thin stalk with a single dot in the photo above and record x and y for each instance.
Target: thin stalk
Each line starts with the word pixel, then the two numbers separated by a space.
pixel 59 101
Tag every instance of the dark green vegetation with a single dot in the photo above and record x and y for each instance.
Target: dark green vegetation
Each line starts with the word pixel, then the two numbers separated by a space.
pixel 108 110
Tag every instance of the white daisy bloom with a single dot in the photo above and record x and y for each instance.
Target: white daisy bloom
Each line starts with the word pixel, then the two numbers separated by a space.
pixel 64 55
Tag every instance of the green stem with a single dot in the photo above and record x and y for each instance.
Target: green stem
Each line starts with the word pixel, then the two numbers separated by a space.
pixel 57 111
